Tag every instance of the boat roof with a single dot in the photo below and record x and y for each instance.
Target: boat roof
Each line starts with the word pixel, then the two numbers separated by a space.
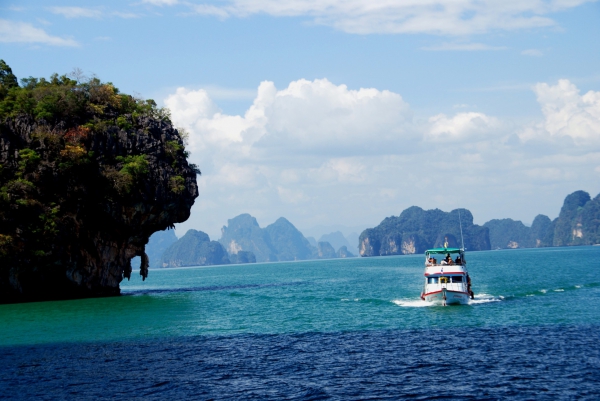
pixel 442 250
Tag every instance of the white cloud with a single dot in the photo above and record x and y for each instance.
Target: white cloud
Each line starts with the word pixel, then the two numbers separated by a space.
pixel 460 127
pixel 567 113
pixel 76 12
pixel 125 15
pixel 308 117
pixel 532 53
pixel 463 47
pixel 319 153
pixel 457 17
pixel 161 2
pixel 22 32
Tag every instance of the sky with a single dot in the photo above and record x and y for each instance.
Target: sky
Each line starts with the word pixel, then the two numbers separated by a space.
pixel 338 113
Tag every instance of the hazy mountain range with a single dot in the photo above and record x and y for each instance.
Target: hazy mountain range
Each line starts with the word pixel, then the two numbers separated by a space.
pixel 413 231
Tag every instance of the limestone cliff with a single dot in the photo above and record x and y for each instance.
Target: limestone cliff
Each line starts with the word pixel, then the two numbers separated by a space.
pixel 416 230
pixel 86 176
pixel 280 241
pixel 194 249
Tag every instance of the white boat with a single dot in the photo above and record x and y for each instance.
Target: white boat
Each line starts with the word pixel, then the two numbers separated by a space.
pixel 447 281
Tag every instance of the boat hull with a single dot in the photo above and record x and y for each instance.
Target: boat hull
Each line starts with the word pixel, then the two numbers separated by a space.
pixel 446 297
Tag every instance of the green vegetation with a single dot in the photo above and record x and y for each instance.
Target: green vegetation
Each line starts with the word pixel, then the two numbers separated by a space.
pixel 416 230
pixel 90 102
pixel 81 159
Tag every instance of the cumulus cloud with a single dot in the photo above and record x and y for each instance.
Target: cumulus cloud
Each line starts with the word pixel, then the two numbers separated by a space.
pixel 460 127
pixel 458 17
pixel 22 32
pixel 321 153
pixel 310 117
pixel 568 114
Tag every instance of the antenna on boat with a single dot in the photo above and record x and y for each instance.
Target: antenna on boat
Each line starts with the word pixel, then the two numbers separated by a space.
pixel 461 234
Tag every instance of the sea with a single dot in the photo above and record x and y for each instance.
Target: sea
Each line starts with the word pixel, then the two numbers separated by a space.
pixel 341 329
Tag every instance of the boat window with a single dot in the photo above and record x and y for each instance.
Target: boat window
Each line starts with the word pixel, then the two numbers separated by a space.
pixel 457 279
pixel 432 280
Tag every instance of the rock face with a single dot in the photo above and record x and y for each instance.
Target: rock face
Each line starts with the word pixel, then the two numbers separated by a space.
pixel 508 233
pixel 287 242
pixel 194 249
pixel 416 230
pixel 325 251
pixel 86 177
pixel 280 241
pixel 242 257
pixel 343 252
pixel 577 224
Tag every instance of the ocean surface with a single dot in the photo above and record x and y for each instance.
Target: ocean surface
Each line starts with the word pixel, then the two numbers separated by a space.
pixel 333 329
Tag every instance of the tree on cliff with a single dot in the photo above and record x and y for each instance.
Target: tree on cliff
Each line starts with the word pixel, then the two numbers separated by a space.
pixel 87 174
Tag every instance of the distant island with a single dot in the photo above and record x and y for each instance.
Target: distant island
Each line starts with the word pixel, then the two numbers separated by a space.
pixel 578 223
pixel 413 231
pixel 243 241
pixel 416 230
pixel 87 175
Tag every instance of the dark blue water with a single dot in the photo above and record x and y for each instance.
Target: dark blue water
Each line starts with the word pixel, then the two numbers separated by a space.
pixel 557 362
pixel 339 329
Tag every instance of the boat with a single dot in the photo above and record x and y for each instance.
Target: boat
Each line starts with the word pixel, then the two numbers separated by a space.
pixel 447 281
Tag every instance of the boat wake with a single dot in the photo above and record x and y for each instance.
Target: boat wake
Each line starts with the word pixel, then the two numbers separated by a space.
pixel 412 303
pixel 418 303
pixel 485 298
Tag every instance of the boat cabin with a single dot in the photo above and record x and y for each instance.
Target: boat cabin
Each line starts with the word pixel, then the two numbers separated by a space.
pixel 444 256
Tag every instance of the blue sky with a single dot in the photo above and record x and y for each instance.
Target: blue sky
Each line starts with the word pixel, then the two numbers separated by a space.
pixel 493 106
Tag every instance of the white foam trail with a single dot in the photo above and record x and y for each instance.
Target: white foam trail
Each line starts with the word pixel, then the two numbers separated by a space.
pixel 412 303
pixel 577 286
pixel 484 299
pixel 543 291
pixel 559 290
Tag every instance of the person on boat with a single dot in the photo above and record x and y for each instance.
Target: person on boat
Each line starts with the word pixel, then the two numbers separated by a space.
pixel 469 290
pixel 448 259
pixel 458 261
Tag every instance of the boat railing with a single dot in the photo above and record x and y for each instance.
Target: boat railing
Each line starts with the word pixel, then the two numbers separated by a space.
pixel 445 264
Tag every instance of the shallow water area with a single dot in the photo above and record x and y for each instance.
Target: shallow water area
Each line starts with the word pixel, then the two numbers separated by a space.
pixel 363 311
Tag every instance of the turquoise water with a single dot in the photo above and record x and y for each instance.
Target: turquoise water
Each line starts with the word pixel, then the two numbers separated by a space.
pixel 530 287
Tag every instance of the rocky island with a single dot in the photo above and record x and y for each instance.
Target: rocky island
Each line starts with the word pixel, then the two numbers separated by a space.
pixel 87 174
pixel 416 230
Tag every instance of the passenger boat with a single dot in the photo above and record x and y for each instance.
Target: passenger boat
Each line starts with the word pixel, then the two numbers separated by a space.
pixel 447 281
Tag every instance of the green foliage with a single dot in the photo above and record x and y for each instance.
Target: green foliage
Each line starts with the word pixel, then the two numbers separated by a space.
pixel 135 166
pixel 177 184
pixel 29 159
pixel 8 80
pixel 172 147
pixel 124 123
pixel 89 102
